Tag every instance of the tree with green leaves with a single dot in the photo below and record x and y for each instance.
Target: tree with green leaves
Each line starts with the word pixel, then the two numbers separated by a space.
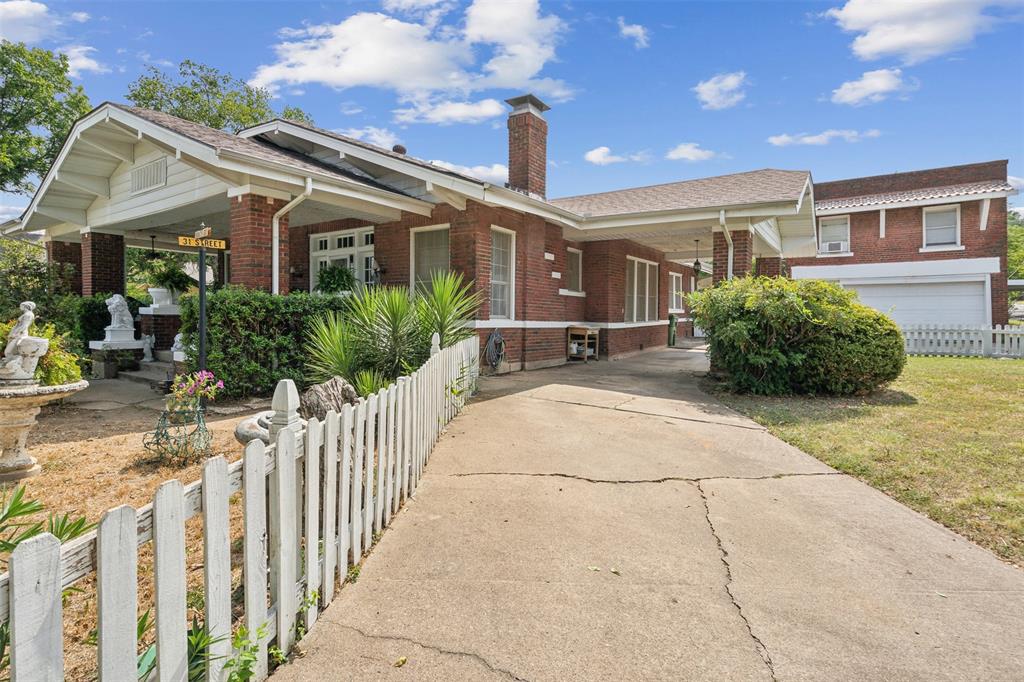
pixel 38 105
pixel 203 94
pixel 1015 248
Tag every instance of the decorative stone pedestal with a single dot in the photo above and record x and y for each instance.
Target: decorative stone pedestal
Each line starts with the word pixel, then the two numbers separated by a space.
pixel 19 406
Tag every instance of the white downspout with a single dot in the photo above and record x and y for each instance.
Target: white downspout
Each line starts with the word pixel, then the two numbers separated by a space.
pixel 728 240
pixel 275 239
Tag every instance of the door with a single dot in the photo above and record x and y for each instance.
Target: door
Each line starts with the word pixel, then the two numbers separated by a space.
pixel 942 303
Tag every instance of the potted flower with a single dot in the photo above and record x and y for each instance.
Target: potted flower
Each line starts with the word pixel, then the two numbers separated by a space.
pixel 181 435
pixel 335 279
pixel 169 281
pixel 190 391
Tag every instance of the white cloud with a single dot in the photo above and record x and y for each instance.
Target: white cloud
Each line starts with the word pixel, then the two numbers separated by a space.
pixel 1015 182
pixel 26 21
pixel 496 173
pixel 156 61
pixel 80 17
pixel 432 67
pixel 80 60
pixel 722 91
pixel 445 112
pixel 10 211
pixel 602 156
pixel 873 86
pixel 689 151
pixel 635 32
pixel 912 31
pixel 822 138
pixel 382 137
pixel 350 108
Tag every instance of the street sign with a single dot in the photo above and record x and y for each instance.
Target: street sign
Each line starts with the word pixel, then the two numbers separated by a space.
pixel 202 243
pixel 203 232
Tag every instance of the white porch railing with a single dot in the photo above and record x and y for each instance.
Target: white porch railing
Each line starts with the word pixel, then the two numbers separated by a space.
pixel 370 456
pixel 998 341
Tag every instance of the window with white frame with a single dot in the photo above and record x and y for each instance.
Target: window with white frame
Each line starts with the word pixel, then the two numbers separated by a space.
pixel 429 253
pixel 676 292
pixel 834 234
pixel 574 270
pixel 641 290
pixel 941 226
pixel 503 249
pixel 352 249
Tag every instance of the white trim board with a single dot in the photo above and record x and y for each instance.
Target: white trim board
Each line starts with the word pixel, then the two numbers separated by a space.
pixel 949 266
pixel 558 324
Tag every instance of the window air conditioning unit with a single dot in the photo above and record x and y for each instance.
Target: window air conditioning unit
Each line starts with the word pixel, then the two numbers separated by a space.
pixel 835 247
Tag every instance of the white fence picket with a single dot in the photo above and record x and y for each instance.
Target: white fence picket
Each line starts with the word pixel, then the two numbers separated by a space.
pixel 254 547
pixel 997 341
pixel 169 570
pixel 314 436
pixel 37 647
pixel 117 561
pixel 326 487
pixel 330 507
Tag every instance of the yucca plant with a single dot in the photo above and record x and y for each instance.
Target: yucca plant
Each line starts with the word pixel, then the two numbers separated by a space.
pixel 330 347
pixel 385 330
pixel 369 381
pixel 446 307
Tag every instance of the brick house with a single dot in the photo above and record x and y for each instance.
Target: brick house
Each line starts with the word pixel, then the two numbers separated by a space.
pixel 291 199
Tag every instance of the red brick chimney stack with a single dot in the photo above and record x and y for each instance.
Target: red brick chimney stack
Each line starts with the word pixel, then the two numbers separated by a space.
pixel 527 145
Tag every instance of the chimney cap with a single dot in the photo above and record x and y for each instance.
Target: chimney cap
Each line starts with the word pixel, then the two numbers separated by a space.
pixel 526 102
pixel 399 149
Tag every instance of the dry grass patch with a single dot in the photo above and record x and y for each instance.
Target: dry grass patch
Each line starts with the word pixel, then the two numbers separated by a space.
pixel 946 439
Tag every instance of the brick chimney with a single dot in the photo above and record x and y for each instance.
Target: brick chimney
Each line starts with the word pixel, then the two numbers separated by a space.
pixel 527 145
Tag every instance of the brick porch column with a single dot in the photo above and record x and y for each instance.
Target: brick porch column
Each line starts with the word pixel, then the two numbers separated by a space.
pixel 251 238
pixel 742 259
pixel 102 263
pixel 770 267
pixel 67 253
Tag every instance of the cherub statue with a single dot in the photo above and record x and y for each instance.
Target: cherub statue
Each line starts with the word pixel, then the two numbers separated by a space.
pixel 120 316
pixel 22 352
pixel 20 328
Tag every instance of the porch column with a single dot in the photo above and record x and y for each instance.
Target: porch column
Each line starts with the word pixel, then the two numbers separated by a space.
pixel 742 255
pixel 102 263
pixel 770 267
pixel 67 254
pixel 251 242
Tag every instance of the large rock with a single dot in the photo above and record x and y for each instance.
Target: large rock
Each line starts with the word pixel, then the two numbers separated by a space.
pixel 317 401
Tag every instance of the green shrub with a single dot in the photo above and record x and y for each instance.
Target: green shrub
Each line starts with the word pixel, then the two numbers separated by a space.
pixel 334 279
pixel 59 365
pixel 254 339
pixel 775 336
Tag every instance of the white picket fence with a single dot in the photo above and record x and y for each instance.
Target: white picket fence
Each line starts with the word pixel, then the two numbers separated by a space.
pixel 997 341
pixel 312 501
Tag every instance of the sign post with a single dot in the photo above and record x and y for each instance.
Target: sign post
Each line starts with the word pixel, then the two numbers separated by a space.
pixel 203 242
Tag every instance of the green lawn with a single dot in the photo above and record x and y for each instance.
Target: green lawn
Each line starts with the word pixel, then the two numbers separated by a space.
pixel 946 439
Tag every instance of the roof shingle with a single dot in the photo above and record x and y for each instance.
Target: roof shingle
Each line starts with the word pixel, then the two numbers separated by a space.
pixel 922 194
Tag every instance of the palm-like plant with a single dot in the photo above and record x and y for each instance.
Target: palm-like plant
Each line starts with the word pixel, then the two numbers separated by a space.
pixel 446 307
pixel 386 330
pixel 331 348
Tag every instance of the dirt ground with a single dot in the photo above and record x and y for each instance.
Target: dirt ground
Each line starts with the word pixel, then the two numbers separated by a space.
pixel 94 460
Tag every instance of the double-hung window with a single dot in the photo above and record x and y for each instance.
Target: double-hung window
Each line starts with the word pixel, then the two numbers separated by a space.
pixel 574 270
pixel 941 226
pixel 834 235
pixel 641 290
pixel 675 303
pixel 503 272
pixel 429 254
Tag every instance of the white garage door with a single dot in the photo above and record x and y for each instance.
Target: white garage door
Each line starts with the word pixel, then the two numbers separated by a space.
pixel 956 303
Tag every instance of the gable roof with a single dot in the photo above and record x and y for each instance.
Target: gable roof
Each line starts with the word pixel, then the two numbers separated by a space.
pixel 924 194
pixel 752 187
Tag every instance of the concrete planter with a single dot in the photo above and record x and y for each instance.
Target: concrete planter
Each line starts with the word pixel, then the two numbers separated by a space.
pixel 163 297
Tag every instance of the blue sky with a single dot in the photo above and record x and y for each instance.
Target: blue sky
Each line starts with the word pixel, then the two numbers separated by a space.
pixel 641 92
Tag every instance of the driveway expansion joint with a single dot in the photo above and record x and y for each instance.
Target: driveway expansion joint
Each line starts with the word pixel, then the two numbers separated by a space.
pixel 448 652
pixel 723 554
pixel 631 481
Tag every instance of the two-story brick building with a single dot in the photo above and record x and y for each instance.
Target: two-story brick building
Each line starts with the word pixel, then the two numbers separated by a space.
pixel 291 199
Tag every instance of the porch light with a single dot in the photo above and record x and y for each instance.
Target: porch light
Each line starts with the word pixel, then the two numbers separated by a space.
pixel 152 255
pixel 696 257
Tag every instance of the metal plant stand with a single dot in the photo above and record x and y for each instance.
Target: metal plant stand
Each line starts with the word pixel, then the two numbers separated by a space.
pixel 181 436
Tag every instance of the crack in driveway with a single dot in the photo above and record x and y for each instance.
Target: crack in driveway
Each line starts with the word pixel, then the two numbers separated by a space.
pixel 448 652
pixel 618 407
pixel 665 479
pixel 723 554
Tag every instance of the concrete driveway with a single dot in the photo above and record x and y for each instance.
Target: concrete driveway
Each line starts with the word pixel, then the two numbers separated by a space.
pixel 610 522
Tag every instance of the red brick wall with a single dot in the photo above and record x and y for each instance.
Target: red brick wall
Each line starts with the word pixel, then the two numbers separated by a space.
pixel 769 267
pixel 67 253
pixel 163 327
pixel 898 182
pixel 102 263
pixel 904 237
pixel 251 237
pixel 528 153
pixel 743 254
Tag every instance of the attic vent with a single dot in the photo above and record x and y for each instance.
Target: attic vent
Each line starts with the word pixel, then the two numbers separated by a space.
pixel 149 176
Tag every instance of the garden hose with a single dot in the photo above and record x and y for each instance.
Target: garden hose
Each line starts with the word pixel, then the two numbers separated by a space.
pixel 494 351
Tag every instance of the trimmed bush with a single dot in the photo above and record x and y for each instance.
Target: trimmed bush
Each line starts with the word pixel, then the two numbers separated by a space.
pixel 777 336
pixel 254 339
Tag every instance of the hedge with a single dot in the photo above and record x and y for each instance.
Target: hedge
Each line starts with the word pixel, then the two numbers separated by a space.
pixel 254 338
pixel 775 336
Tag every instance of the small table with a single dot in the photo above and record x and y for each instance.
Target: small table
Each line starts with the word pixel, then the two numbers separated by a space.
pixel 581 343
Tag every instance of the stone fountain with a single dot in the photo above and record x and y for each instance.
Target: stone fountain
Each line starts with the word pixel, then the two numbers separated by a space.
pixel 21 396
